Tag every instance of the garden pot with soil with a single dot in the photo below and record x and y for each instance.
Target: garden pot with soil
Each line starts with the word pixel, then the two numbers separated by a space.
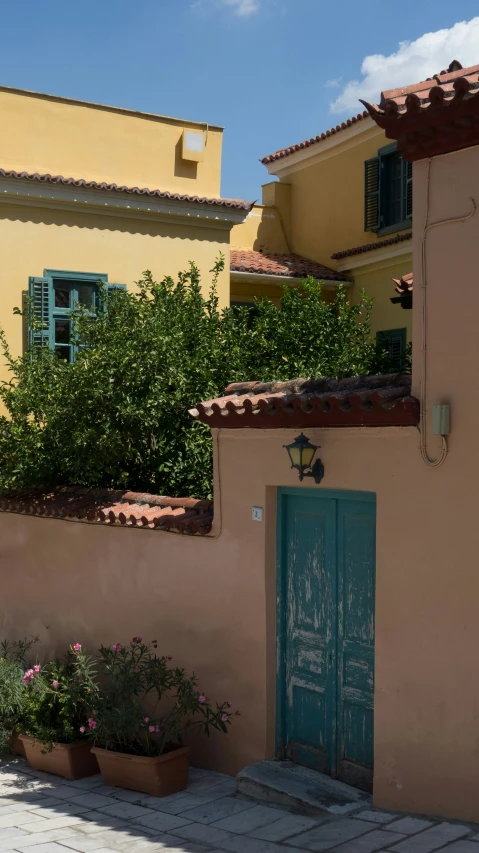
pixel 71 760
pixel 158 776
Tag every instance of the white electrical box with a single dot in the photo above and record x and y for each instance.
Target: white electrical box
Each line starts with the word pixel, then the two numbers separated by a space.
pixel 441 419
pixel 257 513
pixel 193 145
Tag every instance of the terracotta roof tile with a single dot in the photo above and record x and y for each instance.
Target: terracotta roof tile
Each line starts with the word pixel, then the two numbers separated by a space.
pixel 360 401
pixel 113 507
pixel 285 152
pixel 282 265
pixel 404 284
pixel 80 182
pixel 370 247
pixel 439 114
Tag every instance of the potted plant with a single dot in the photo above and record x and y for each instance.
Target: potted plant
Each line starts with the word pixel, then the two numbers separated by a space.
pixel 58 697
pixel 145 708
pixel 13 656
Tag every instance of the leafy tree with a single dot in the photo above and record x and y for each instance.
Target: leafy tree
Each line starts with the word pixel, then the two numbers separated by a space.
pixel 118 415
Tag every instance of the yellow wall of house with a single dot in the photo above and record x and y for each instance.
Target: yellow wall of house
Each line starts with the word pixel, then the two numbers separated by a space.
pixel 327 200
pixel 379 285
pixel 52 135
pixel 262 231
pixel 36 239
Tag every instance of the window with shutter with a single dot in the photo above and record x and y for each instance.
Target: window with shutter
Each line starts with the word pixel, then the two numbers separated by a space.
pixel 393 342
pixel 371 194
pixel 54 297
pixel 387 192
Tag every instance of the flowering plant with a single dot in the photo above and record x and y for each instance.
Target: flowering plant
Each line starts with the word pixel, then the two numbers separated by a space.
pixel 147 704
pixel 13 657
pixel 59 696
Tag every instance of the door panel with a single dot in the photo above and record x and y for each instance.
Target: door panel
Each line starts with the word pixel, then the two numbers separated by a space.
pixel 310 538
pixel 356 589
pixel 326 628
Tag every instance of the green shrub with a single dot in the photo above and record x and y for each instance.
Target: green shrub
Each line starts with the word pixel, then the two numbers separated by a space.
pixel 13 662
pixel 118 416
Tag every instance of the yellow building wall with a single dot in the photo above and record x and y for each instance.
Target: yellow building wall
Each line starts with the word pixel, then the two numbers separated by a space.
pixel 34 239
pixel 262 230
pixel 41 133
pixel 242 290
pixel 379 285
pixel 327 200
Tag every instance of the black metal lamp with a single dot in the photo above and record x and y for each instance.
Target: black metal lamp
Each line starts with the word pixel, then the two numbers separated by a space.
pixel 301 453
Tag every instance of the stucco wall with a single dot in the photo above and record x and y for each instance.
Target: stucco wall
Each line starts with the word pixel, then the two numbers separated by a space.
pixel 36 239
pixel 262 231
pixel 211 603
pixel 376 280
pixel 53 135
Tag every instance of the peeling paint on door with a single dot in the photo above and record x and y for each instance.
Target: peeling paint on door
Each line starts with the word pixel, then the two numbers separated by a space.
pixel 326 587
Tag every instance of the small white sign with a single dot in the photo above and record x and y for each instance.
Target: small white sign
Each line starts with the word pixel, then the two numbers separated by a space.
pixel 257 513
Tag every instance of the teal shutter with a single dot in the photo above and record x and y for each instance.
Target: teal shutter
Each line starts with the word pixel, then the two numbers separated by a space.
pixel 407 200
pixel 111 287
pixel 393 341
pixel 40 293
pixel 371 194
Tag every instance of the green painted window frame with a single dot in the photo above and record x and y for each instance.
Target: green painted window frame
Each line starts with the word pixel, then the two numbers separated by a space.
pixel 378 198
pixel 386 339
pixel 42 291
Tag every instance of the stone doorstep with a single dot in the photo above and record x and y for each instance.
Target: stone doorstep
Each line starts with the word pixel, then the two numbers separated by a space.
pixel 296 787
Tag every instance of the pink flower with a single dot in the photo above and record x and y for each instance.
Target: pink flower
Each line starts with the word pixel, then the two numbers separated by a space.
pixel 154 643
pixel 137 639
pixel 55 683
pixel 228 704
pixel 157 728
pixel 77 647
pixel 224 718
pixel 202 699
pixel 29 675
pixel 142 725
pixel 146 719
pixel 37 667
pixel 116 647
pixel 169 657
pixel 94 713
pixel 152 728
pixel 82 729
pixel 92 723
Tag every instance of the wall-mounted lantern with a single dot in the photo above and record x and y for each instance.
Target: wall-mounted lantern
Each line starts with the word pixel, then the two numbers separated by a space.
pixel 301 453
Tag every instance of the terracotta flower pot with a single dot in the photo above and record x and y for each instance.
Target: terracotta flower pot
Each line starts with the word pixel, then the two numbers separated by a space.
pixel 16 744
pixel 71 760
pixel 159 776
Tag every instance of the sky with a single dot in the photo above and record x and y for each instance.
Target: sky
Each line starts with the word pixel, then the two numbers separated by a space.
pixel 271 72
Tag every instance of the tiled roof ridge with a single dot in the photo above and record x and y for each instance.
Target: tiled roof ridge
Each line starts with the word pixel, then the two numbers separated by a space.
pixel 405 284
pixel 450 86
pixel 112 506
pixel 239 204
pixel 324 402
pixel 291 149
pixel 370 247
pixel 285 265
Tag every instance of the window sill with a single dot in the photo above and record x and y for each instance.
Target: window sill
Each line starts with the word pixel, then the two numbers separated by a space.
pixel 398 226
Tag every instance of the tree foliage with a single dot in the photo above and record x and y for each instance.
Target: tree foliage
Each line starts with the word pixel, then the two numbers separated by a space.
pixel 118 415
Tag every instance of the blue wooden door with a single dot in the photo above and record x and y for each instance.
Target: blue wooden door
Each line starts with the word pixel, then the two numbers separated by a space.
pixel 326 580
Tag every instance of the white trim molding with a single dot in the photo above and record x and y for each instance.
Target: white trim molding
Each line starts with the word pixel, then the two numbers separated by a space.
pixel 375 258
pixel 265 278
pixel 116 203
pixel 323 149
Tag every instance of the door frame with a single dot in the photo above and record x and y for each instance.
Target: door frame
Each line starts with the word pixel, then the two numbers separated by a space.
pixel 282 492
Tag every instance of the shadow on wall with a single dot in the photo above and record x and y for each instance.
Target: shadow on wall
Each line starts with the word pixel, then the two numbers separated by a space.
pixel 92 221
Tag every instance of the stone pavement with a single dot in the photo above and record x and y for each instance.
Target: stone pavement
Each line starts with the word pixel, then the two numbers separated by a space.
pixel 40 813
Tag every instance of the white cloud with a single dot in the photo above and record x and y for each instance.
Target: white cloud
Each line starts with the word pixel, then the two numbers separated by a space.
pixel 413 61
pixel 243 8
pixel 333 84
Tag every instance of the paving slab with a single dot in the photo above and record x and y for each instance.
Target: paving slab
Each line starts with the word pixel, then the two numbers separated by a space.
pixel 432 839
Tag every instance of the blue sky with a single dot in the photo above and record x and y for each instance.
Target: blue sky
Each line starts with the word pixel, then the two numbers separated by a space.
pixel 272 72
